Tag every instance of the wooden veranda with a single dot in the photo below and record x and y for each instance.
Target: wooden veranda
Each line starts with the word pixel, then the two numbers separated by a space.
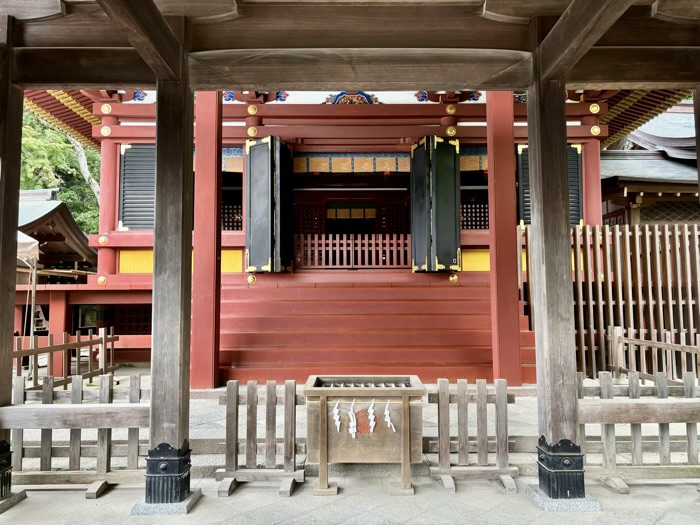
pixel 178 46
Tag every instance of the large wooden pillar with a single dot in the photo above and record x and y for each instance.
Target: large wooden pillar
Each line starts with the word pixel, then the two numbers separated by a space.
pixel 172 295
pixel 550 278
pixel 206 286
pixel 109 195
pixel 505 307
pixel 59 319
pixel 10 161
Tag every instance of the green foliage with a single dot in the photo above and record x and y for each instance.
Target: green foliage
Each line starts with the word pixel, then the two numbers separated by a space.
pixel 49 161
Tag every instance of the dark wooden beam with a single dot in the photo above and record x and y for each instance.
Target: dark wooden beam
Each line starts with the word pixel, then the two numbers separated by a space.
pixel 550 271
pixel 377 69
pixel 578 29
pixel 696 102
pixel 683 11
pixel 10 162
pixel 637 68
pixel 33 10
pixel 149 33
pixel 81 68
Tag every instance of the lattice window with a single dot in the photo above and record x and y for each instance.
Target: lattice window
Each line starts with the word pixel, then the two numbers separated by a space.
pixel 393 216
pixel 474 216
pixel 132 319
pixel 231 217
pixel 310 217
pixel 671 211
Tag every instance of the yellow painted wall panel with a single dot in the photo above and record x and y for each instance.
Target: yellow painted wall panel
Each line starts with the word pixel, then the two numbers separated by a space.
pixel 300 165
pixel 320 164
pixel 476 261
pixel 364 164
pixel 404 164
pixel 234 164
pixel 342 165
pixel 386 163
pixel 470 163
pixel 231 261
pixel 136 261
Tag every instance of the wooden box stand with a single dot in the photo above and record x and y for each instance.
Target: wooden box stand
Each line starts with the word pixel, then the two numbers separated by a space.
pixel 383 412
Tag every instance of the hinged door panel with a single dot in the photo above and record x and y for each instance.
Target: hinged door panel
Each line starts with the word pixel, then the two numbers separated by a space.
pixel 259 205
pixel 446 252
pixel 420 206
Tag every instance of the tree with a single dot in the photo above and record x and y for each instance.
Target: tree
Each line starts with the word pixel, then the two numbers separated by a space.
pixel 51 159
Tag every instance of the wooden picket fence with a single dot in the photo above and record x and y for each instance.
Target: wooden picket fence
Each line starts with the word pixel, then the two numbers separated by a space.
pixel 380 250
pixel 77 409
pixel 447 472
pixel 635 405
pixel 648 357
pixel 265 470
pixel 103 345
pixel 644 278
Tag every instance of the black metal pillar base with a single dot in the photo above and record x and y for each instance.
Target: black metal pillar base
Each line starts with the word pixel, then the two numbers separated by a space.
pixel 168 474
pixel 5 470
pixel 560 469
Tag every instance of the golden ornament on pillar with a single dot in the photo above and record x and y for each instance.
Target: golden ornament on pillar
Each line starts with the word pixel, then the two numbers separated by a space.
pixel 106 109
pixel 101 280
pixel 595 130
pixel 105 131
pixel 451 131
pixel 451 109
pixel 252 131
pixel 252 110
pixel 251 279
pixel 594 108
pixel 454 278
pixel 102 240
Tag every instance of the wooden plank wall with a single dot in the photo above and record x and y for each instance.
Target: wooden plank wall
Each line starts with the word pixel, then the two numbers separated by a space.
pixel 644 278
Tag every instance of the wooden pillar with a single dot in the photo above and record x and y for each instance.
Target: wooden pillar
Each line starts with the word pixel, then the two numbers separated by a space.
pixel 550 277
pixel 696 102
pixel 109 195
pixel 59 320
pixel 505 306
pixel 592 190
pixel 206 286
pixel 172 294
pixel 10 162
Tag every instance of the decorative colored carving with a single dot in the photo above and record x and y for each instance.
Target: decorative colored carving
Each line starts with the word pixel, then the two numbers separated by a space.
pixel 357 97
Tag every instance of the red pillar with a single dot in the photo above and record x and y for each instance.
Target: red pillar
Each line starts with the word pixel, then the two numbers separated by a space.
pixel 505 306
pixel 206 279
pixel 109 194
pixel 19 320
pixel 592 192
pixel 59 319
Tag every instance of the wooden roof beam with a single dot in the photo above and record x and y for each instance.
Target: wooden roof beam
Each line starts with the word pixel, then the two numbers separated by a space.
pixel 577 31
pixel 149 33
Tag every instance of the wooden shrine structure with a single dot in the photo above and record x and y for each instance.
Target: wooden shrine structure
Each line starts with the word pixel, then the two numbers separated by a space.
pixel 492 45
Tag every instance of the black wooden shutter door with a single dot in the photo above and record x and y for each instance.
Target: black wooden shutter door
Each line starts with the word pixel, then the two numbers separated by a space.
pixel 446 243
pixel 259 206
pixel 420 207
pixel 137 187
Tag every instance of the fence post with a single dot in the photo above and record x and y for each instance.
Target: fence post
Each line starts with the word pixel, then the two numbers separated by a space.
pixel 618 349
pixel 103 350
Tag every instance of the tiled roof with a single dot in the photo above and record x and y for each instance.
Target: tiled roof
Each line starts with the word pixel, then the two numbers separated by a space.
pixel 33 210
pixel 650 166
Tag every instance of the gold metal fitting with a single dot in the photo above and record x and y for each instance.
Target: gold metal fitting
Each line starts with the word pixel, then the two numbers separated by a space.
pixel 454 278
pixel 594 108
pixel 595 130
pixel 451 109
pixel 252 131
pixel 106 108
pixel 101 280
pixel 251 279
pixel 105 131
pixel 451 131
pixel 102 240
pixel 252 110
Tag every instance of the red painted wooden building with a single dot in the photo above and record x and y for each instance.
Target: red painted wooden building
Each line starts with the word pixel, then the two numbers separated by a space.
pixel 333 233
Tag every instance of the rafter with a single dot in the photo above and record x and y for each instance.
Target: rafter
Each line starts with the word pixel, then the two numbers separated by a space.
pixel 577 31
pixel 149 33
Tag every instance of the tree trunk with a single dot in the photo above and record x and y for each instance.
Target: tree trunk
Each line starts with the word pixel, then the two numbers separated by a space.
pixel 84 170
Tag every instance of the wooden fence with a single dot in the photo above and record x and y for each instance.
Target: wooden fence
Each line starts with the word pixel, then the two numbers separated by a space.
pixel 648 358
pixel 353 251
pixel 266 470
pixel 103 344
pixel 446 472
pixel 650 455
pixel 645 278
pixel 77 409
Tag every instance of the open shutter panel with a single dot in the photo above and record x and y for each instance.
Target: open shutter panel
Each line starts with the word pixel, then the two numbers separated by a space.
pixel 446 243
pixel 574 167
pixel 575 186
pixel 259 206
pixel 284 207
pixel 420 207
pixel 137 187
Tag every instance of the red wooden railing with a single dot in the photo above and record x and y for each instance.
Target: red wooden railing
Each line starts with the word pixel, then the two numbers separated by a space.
pixel 353 250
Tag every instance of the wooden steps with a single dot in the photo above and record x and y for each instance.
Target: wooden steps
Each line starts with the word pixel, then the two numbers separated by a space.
pixel 395 323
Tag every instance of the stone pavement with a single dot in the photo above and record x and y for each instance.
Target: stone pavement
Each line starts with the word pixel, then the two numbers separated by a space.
pixel 362 500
